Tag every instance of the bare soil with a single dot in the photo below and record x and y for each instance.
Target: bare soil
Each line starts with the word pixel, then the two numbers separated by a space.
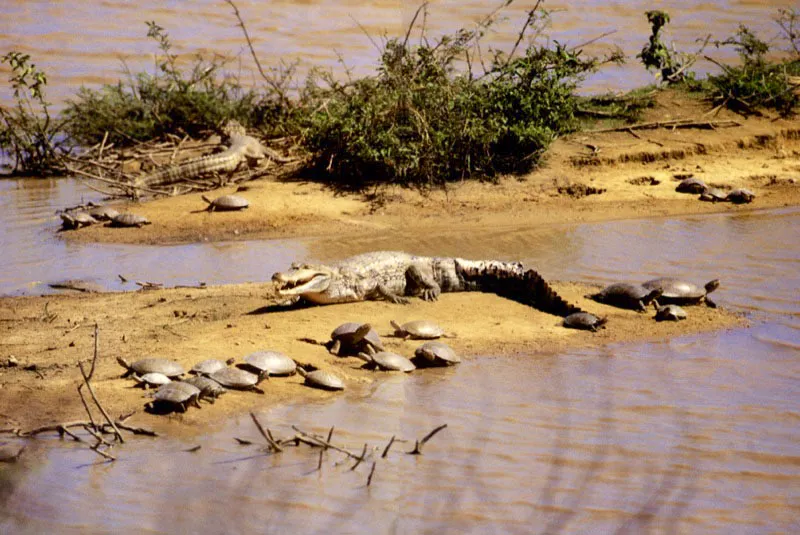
pixel 587 177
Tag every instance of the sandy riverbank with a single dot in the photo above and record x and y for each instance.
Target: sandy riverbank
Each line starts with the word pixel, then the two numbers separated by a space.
pixel 190 325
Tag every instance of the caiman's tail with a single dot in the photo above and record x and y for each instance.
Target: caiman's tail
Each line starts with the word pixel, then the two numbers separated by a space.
pixel 526 287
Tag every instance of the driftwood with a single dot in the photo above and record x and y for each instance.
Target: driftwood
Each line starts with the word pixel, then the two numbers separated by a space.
pixel 676 123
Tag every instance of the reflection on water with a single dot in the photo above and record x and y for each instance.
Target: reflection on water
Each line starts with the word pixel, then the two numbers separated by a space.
pixel 84 42
pixel 690 435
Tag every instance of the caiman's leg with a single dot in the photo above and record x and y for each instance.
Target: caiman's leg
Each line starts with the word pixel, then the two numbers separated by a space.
pixel 382 292
pixel 418 282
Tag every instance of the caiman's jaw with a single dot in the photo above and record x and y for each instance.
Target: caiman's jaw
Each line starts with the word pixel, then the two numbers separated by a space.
pixel 304 281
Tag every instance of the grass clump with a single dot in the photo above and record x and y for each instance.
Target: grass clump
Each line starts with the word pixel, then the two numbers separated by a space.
pixel 170 101
pixel 758 82
pixel 425 118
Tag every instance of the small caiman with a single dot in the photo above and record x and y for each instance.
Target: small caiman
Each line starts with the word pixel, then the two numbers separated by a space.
pixel 396 276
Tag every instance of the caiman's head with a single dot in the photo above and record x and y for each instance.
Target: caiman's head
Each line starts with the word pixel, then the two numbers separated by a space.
pixel 306 281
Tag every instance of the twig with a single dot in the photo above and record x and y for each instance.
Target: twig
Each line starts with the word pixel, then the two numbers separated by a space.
pixel 677 123
pixel 272 444
pixel 319 463
pixel 371 471
pixel 386 450
pixel 321 442
pixel 136 430
pixel 423 5
pixel 418 445
pixel 360 458
pixel 87 378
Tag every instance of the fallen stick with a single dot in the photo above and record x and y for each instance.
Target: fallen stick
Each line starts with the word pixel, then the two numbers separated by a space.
pixel 677 123
pixel 386 450
pixel 135 430
pixel 322 443
pixel 371 471
pixel 53 427
pixel 360 458
pixel 87 378
pixel 272 444
pixel 418 445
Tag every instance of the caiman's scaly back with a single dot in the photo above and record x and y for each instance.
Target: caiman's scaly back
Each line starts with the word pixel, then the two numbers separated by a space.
pixel 395 276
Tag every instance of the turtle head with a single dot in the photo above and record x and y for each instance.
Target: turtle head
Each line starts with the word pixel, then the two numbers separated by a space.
pixel 309 282
pixel 124 363
pixel 712 285
pixel 653 296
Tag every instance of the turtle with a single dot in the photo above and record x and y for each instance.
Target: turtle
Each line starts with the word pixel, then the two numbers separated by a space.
pixel 208 366
pixel 669 313
pixel 77 220
pixel 322 379
pixel 585 321
pixel 627 295
pixel 388 361
pixel 170 368
pixel 151 379
pixel 226 203
pixel 177 393
pixel 691 185
pixel 238 379
pixel 679 292
pixel 209 388
pixel 741 196
pixel 352 338
pixel 127 219
pixel 270 363
pixel 418 330
pixel 10 452
pixel 434 353
pixel 714 195
pixel 103 213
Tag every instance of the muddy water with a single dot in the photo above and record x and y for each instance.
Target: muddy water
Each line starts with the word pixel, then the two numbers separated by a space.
pixel 692 435
pixel 85 43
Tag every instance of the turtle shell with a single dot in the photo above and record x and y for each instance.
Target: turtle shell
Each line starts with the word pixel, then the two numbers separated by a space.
pixel 227 203
pixel 103 213
pixel 235 378
pixel 77 220
pixel 128 219
pixel 691 185
pixel 170 368
pixel 178 393
pixel 389 361
pixel 349 339
pixel 271 362
pixel 741 196
pixel 714 195
pixel 209 389
pixel 679 292
pixel 322 379
pixel 208 366
pixel 437 353
pixel 419 330
pixel 669 313
pixel 626 295
pixel 153 379
pixel 584 320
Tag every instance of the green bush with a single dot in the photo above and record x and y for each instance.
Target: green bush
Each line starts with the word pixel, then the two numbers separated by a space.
pixel 420 121
pixel 758 82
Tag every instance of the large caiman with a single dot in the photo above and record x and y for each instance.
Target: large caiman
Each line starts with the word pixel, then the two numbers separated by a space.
pixel 395 276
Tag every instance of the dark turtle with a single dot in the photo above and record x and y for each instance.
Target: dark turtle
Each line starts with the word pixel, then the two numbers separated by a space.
pixel 388 361
pixel 209 388
pixel 435 353
pixel 237 379
pixel 714 195
pixel 741 196
pixel 208 366
pixel 322 379
pixel 103 213
pixel 270 363
pixel 128 219
pixel 151 379
pixel 10 452
pixel 418 330
pixel 626 295
pixel 170 368
pixel 680 292
pixel 691 185
pixel 352 338
pixel 585 321
pixel 77 220
pixel 178 393
pixel 226 203
pixel 669 313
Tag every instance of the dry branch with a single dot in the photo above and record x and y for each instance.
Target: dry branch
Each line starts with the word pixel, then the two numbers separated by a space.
pixel 677 123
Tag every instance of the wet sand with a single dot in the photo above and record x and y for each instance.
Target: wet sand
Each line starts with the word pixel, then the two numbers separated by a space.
pixel 190 325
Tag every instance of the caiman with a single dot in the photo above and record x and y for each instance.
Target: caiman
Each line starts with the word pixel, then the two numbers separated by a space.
pixel 243 149
pixel 396 276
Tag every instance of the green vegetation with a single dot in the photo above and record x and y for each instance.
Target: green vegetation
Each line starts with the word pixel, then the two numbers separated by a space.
pixel 758 82
pixel 433 112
